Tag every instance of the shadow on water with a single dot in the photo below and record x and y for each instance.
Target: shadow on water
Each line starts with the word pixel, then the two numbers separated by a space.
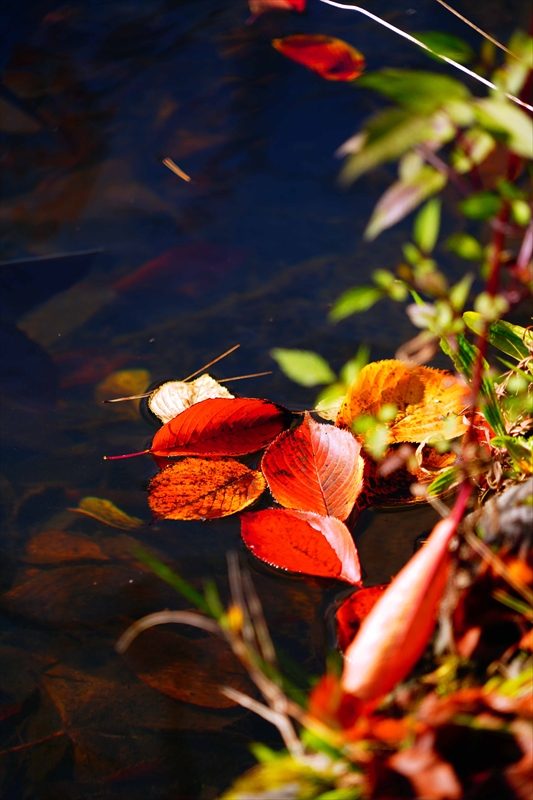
pixel 112 265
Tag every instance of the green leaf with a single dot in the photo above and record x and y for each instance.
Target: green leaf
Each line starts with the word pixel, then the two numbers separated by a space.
pixel 353 367
pixel 465 246
pixel 412 253
pixel 354 301
pixel 464 357
pixel 341 794
pixel 506 121
pixel 521 212
pixel 519 449
pixel 389 135
pixel 303 366
pixel 481 205
pixel 459 293
pixel 511 339
pixel 447 45
pixel 450 477
pixel 282 777
pixel 416 90
pixel 403 197
pixel 426 226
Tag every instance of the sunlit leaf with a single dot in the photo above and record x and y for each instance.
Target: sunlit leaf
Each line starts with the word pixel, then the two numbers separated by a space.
pixel 450 477
pixel 424 397
pixel 329 703
pixel 481 205
pixel 511 339
pixel 107 512
pixel 445 44
pixel 402 197
pixel 426 226
pixel 416 90
pixel 352 612
pixel 332 58
pixel 300 541
pixel 396 631
pixel 387 136
pixel 465 246
pixel 221 427
pixel 474 147
pixel 316 467
pixel 519 449
pixel 283 778
pixel 173 397
pixel 505 120
pixel 202 488
pixel 303 366
pixel 354 301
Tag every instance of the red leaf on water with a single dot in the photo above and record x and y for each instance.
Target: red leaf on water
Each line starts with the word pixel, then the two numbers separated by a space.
pixel 258 7
pixel 301 541
pixel 353 611
pixel 221 426
pixel 316 467
pixel 332 58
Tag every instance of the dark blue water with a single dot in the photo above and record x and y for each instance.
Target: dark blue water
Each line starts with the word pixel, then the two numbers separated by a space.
pixel 252 251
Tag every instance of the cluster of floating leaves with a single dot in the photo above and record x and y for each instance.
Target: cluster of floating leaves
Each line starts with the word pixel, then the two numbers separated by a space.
pixel 315 471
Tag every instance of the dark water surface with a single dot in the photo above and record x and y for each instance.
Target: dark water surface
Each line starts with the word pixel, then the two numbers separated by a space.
pixel 251 251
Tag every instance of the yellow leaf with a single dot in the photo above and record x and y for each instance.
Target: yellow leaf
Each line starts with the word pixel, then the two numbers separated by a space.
pixel 107 512
pixel 430 402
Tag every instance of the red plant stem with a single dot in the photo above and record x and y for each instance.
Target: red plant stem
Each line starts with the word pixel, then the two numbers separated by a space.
pixel 32 744
pixel 128 455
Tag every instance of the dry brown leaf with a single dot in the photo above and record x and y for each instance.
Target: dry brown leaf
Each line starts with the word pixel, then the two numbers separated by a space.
pixel 107 512
pixel 173 397
pixel 55 547
pixel 430 402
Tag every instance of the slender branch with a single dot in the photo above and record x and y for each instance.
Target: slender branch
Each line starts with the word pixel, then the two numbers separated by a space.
pixel 428 49
pixel 162 618
pixel 479 30
pixel 444 168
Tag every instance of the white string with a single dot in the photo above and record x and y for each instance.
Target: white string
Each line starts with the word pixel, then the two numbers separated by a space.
pixel 425 47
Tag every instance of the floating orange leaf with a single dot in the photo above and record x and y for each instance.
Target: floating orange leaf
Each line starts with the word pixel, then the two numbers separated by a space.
pixel 315 468
pixel 332 58
pixel 395 633
pixel 202 488
pixel 301 541
pixel 429 401
pixel 221 427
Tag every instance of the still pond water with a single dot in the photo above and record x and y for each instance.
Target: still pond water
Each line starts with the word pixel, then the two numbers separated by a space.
pixel 251 251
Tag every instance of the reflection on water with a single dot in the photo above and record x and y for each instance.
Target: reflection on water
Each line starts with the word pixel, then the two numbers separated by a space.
pixel 110 262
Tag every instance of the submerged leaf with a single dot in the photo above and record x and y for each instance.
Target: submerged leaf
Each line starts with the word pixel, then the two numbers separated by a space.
pixel 332 58
pixel 258 7
pixel 221 427
pixel 107 512
pixel 315 468
pixel 395 633
pixel 202 488
pixel 426 400
pixel 56 547
pixel 301 541
pixel 173 397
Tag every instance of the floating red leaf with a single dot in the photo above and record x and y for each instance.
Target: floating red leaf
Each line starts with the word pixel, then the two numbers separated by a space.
pixel 301 541
pixel 204 488
pixel 221 426
pixel 332 58
pixel 258 7
pixel 316 467
pixel 353 611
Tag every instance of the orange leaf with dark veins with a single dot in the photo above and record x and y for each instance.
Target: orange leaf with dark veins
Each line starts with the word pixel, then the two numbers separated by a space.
pixel 332 58
pixel 203 488
pixel 221 426
pixel 301 541
pixel 316 467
